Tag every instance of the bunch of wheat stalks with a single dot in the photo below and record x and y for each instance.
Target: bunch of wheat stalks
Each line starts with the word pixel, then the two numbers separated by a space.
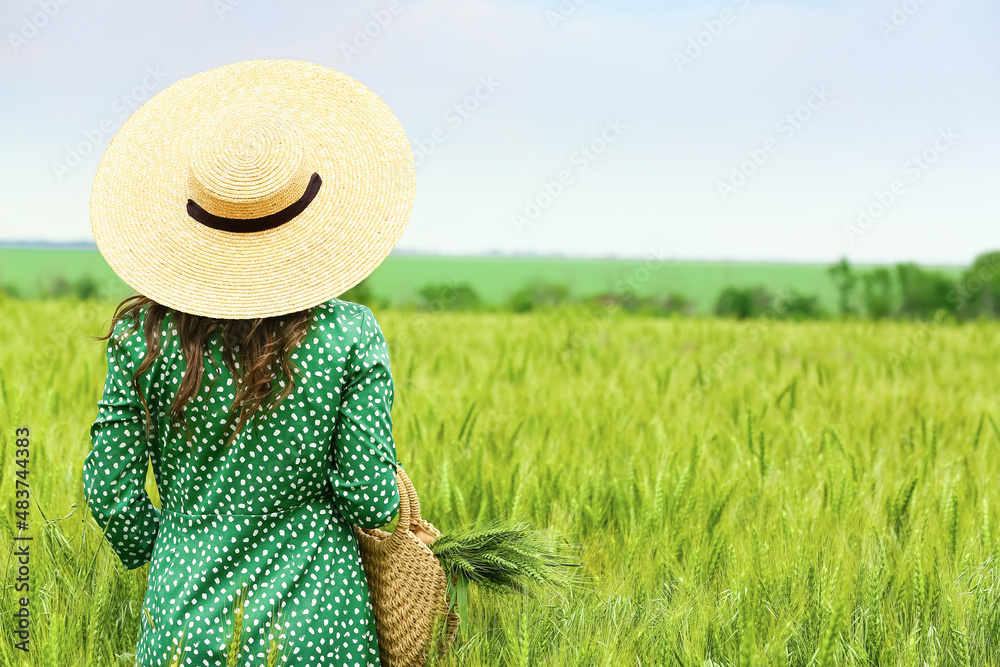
pixel 502 559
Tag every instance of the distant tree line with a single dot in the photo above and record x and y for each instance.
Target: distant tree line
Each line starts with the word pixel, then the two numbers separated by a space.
pixel 535 295
pixel 908 291
pixel 905 291
pixel 902 291
pixel 84 287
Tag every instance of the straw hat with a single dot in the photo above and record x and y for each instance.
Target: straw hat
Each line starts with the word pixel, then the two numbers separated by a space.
pixel 252 190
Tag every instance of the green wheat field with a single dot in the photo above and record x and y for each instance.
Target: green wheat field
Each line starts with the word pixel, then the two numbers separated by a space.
pixel 745 493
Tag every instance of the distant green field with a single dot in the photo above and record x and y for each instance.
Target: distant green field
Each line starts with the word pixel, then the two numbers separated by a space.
pixel 400 277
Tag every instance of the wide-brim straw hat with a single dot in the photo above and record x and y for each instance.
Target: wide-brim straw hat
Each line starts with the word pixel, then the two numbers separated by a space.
pixel 253 190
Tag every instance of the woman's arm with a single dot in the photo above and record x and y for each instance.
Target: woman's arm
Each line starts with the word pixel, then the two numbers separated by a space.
pixel 114 472
pixel 364 455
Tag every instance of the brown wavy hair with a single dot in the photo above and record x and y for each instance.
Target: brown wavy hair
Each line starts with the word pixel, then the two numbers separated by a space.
pixel 251 348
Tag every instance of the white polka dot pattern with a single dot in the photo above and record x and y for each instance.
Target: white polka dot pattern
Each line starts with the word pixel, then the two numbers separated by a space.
pixel 274 509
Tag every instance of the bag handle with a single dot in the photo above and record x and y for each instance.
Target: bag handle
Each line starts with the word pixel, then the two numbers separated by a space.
pixel 409 507
pixel 411 494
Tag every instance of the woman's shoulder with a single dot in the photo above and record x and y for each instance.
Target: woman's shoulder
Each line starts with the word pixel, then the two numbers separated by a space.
pixel 128 330
pixel 344 314
pixel 127 344
pixel 349 326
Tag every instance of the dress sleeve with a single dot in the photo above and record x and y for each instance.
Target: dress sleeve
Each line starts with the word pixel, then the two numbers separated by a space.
pixel 364 455
pixel 114 472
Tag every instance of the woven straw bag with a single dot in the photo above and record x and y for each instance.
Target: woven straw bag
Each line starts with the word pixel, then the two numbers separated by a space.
pixel 407 585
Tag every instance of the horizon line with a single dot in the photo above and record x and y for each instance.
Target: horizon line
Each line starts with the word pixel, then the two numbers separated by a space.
pixel 42 244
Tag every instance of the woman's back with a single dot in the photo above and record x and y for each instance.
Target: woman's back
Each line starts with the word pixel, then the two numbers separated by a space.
pixel 272 510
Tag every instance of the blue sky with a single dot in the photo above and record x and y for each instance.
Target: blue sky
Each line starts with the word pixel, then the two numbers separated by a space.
pixel 738 129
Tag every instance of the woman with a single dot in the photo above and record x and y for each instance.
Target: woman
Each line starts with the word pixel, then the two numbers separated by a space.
pixel 239 203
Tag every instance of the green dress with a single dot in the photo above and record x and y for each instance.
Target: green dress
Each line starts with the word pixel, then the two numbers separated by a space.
pixel 269 517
